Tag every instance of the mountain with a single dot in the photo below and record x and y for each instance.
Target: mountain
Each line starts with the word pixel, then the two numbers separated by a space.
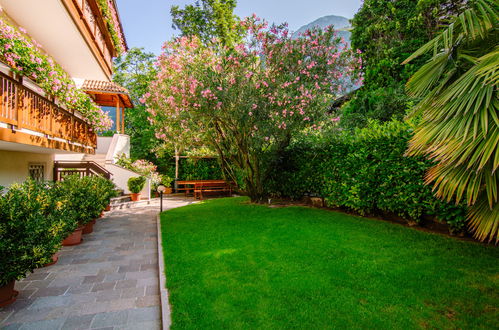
pixel 340 23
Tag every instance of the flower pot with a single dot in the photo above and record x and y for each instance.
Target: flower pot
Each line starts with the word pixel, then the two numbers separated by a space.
pixel 108 208
pixel 55 257
pixel 135 197
pixel 168 190
pixel 74 238
pixel 8 294
pixel 89 227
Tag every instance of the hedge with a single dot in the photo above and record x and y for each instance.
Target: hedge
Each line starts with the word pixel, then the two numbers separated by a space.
pixel 36 217
pixel 365 171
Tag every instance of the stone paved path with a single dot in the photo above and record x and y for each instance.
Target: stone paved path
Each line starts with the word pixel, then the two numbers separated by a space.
pixel 110 281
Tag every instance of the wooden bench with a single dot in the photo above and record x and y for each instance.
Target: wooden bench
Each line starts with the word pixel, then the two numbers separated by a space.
pixel 211 187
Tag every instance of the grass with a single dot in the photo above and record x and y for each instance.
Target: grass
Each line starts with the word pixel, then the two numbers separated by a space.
pixel 234 265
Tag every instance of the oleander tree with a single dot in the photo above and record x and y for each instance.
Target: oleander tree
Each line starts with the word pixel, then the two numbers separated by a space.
pixel 459 125
pixel 249 101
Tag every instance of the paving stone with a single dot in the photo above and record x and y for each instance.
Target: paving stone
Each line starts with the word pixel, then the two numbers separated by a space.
pixel 147 281
pixel 152 290
pixel 122 304
pixel 43 325
pixel 108 295
pixel 114 277
pixel 126 284
pixel 130 268
pixel 133 292
pixel 103 286
pixel 139 275
pixel 93 279
pixel 50 291
pixel 38 276
pixel 82 288
pixel 78 322
pixel 50 302
pixel 148 325
pixel 147 301
pixel 144 314
pixel 149 267
pixel 110 319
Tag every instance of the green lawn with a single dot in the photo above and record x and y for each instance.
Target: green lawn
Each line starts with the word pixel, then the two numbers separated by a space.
pixel 233 265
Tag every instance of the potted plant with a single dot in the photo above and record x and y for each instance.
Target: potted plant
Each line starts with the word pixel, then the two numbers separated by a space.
pixel 167 182
pixel 82 199
pixel 32 223
pixel 135 185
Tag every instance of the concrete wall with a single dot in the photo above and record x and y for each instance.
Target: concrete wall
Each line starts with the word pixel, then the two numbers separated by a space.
pixel 120 178
pixel 120 144
pixel 14 166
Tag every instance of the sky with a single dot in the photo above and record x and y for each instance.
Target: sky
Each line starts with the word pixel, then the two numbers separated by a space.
pixel 148 24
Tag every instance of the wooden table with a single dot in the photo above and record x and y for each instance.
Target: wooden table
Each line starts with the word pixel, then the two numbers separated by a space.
pixel 191 186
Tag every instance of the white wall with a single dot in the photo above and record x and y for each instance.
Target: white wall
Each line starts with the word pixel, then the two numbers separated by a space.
pixel 14 166
pixel 120 178
pixel 120 144
pixel 103 143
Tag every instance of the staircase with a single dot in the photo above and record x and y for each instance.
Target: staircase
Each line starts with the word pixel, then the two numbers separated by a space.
pixel 103 161
pixel 81 168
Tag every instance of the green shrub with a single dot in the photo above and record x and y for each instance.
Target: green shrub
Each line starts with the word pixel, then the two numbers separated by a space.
pixel 366 172
pixel 33 222
pixel 88 195
pixel 135 185
pixel 199 169
pixel 105 190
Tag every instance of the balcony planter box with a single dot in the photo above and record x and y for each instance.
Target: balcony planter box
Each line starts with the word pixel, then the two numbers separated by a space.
pixel 74 238
pixel 55 258
pixel 8 294
pixel 89 227
pixel 135 197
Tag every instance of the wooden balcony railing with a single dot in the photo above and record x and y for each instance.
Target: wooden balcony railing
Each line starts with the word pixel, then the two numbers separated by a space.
pixel 81 168
pixel 88 18
pixel 23 108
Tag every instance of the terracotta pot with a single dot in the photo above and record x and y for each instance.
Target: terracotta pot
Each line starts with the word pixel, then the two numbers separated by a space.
pixel 135 197
pixel 8 294
pixel 55 257
pixel 108 208
pixel 168 191
pixel 89 227
pixel 74 238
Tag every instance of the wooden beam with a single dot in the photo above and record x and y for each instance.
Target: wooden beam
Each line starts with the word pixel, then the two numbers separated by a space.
pixel 9 135
pixel 123 120
pixel 118 114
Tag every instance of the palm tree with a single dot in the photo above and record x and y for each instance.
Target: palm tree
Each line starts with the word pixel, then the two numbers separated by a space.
pixel 458 114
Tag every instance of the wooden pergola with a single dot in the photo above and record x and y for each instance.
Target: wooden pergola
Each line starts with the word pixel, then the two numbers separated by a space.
pixel 110 94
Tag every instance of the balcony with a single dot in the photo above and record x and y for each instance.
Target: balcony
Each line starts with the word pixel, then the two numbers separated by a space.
pixel 88 18
pixel 28 117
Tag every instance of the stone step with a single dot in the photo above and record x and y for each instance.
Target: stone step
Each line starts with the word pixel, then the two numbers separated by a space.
pixel 129 204
pixel 119 200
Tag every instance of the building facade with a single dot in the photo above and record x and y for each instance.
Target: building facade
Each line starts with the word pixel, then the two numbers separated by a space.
pixel 55 75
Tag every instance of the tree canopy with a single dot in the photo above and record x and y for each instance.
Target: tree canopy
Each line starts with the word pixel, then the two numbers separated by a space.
pixel 208 19
pixel 387 32
pixel 248 102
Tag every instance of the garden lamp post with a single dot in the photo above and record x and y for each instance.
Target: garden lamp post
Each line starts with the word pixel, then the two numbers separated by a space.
pixel 161 189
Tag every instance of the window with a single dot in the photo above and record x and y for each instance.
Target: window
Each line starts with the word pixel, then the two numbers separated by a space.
pixel 37 172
